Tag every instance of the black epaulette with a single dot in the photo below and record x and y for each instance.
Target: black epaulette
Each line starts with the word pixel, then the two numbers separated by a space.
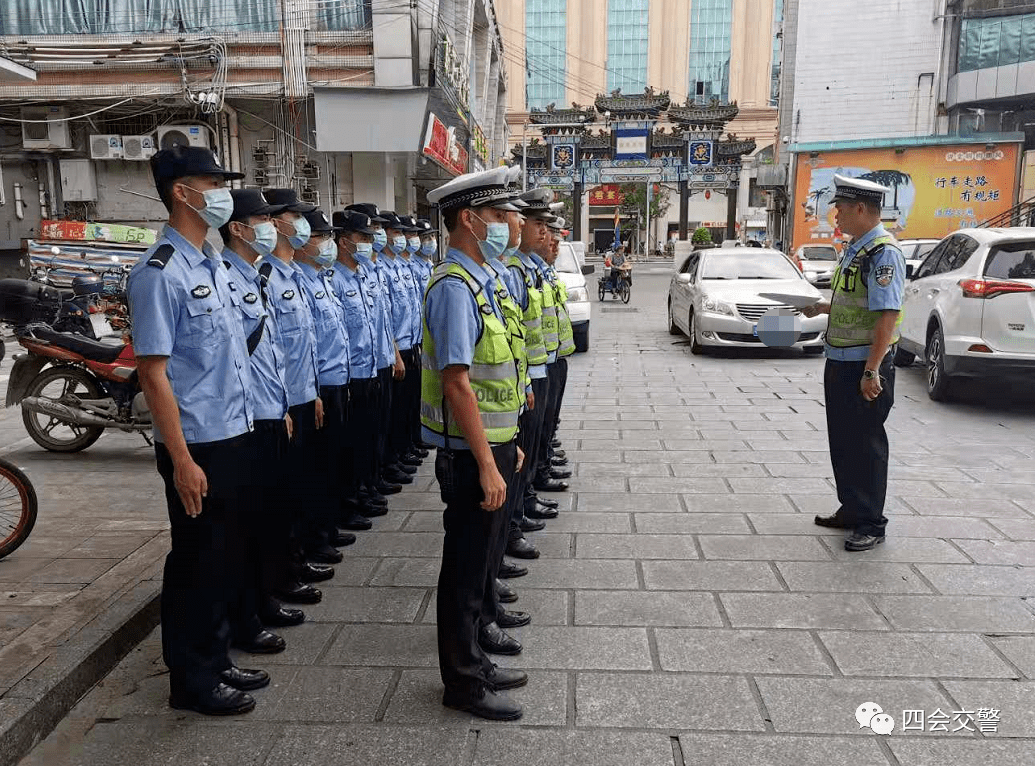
pixel 160 258
pixel 227 264
pixel 264 273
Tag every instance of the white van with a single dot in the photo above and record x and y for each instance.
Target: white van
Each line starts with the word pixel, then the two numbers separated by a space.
pixel 573 276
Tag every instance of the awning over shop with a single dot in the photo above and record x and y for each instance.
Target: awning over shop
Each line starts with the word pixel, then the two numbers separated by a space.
pixel 370 119
pixel 11 71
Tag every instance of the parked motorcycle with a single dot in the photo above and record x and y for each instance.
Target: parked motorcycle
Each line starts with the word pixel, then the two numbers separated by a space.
pixel 70 387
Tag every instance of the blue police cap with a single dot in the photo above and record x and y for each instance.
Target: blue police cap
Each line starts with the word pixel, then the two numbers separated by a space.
pixel 185 161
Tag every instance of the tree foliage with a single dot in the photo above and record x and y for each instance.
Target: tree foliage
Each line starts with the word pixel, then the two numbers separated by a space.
pixel 702 236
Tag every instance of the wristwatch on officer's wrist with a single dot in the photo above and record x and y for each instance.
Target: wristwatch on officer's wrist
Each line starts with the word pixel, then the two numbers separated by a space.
pixel 870 374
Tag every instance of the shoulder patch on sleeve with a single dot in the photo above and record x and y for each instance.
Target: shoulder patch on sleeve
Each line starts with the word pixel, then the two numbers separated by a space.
pixel 160 257
pixel 884 275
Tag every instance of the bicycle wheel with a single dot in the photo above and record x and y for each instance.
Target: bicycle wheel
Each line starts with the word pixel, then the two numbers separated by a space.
pixel 18 508
pixel 624 292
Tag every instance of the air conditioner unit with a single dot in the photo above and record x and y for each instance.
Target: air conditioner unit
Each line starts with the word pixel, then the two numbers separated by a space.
pixel 183 135
pixel 138 147
pixel 45 127
pixel 105 147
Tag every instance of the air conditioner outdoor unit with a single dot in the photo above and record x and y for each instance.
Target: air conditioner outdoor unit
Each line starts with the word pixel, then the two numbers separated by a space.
pixel 105 147
pixel 183 135
pixel 138 147
pixel 45 127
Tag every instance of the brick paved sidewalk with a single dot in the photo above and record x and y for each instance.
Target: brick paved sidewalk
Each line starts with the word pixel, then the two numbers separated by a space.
pixel 686 610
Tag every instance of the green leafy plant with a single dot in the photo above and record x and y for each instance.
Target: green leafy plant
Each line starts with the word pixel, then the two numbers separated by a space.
pixel 702 236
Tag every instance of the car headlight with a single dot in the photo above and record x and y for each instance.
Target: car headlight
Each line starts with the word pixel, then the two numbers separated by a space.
pixel 716 306
pixel 578 295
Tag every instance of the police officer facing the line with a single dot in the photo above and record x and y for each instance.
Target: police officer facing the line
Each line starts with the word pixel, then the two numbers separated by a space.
pixel 859 380
pixel 247 236
pixel 194 371
pixel 470 399
pixel 565 348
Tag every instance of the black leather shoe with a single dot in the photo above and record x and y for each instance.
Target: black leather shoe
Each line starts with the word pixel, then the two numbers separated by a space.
pixel 492 639
pixel 488 704
pixel 324 554
pixel 509 620
pixel 315 572
pixel 559 453
pixel 222 700
pixel 385 488
pixel 551 486
pixel 341 539
pixel 282 618
pixel 833 522
pixel 245 680
pixel 409 470
pixel 539 512
pixel 860 542
pixel 373 511
pixel 421 452
pixel 356 522
pixel 559 473
pixel 520 548
pixel 299 594
pixel 556 443
pixel 501 679
pixel 558 462
pixel 509 571
pixel 547 502
pixel 505 593
pixel 262 643
pixel 397 477
pixel 372 497
pixel 410 460
pixel 530 525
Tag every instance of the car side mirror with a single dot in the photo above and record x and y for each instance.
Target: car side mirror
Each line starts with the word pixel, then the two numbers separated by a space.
pixel 587 270
pixel 909 271
pixel 683 278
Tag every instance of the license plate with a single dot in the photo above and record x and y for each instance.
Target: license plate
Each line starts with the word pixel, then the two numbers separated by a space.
pixel 754 330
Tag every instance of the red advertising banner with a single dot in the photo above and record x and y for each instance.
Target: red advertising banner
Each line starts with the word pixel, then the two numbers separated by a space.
pixel 442 148
pixel 606 195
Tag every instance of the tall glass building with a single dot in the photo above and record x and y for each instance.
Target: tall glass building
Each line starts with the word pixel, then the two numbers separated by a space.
pixel 711 27
pixel 774 86
pixel 546 42
pixel 628 37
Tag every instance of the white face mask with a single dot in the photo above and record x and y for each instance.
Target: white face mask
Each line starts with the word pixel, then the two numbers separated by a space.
pixel 265 237
pixel 327 255
pixel 363 251
pixel 219 206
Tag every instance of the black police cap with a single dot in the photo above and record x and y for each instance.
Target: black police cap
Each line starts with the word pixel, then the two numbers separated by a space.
pixel 249 202
pixel 368 209
pixel 410 224
pixel 289 199
pixel 352 220
pixel 185 161
pixel 318 222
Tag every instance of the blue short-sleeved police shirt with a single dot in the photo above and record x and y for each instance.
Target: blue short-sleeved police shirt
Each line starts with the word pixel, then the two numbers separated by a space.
pixel 886 286
pixel 295 328
pixel 332 339
pixel 267 360
pixel 354 294
pixel 455 324
pixel 384 348
pixel 182 308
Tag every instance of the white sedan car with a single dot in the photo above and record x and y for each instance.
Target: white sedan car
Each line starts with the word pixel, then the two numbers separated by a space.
pixel 579 307
pixel 969 310
pixel 715 298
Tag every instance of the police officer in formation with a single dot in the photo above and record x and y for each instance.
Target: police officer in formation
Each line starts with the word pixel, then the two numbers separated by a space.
pixel 263 367
pixel 297 378
pixel 859 379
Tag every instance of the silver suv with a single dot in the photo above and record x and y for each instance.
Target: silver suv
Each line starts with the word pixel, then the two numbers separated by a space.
pixel 969 309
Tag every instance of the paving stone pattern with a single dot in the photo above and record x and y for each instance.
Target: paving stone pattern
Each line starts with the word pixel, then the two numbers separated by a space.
pixel 686 610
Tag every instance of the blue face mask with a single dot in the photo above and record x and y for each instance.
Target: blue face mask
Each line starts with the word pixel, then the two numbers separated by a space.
pixel 219 206
pixel 398 244
pixel 265 238
pixel 363 251
pixel 328 254
pixel 497 235
pixel 302 233
pixel 508 252
pixel 429 248
pixel 413 244
pixel 380 240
